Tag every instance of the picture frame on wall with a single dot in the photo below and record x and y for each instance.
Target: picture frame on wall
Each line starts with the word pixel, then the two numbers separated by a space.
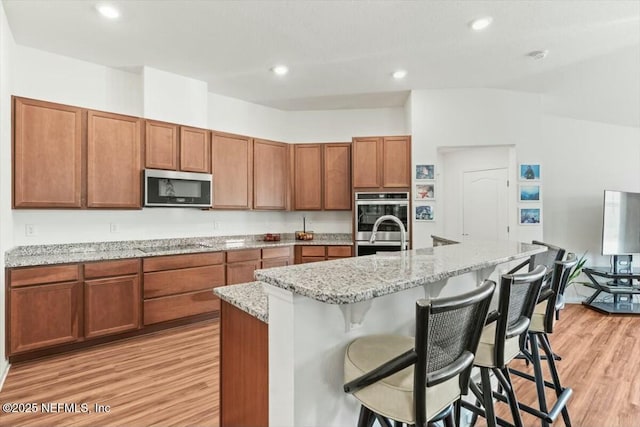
pixel 529 193
pixel 530 216
pixel 425 172
pixel 529 172
pixel 425 213
pixel 425 191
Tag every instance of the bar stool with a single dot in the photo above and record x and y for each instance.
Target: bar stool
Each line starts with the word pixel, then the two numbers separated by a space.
pixel 502 339
pixel 415 381
pixel 548 258
pixel 542 323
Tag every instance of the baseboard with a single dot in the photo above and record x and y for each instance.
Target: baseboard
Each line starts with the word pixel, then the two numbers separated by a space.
pixel 3 375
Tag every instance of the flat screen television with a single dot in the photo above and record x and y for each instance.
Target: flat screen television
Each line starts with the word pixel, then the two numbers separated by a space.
pixel 621 223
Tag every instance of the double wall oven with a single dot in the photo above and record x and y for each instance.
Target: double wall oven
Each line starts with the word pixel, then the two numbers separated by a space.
pixel 370 207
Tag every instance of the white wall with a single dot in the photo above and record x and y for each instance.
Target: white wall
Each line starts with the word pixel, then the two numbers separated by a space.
pixel 173 98
pixel 469 118
pixel 6 227
pixel 579 158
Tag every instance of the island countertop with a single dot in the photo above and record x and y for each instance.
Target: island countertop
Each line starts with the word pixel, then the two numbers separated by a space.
pixel 352 280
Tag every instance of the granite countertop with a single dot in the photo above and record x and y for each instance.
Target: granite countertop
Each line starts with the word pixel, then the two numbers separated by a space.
pixel 23 256
pixel 248 297
pixel 350 280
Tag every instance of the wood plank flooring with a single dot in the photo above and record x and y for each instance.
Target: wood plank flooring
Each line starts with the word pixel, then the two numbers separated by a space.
pixel 166 379
pixel 171 378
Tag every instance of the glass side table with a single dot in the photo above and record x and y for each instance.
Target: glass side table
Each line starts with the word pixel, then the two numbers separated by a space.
pixel 620 286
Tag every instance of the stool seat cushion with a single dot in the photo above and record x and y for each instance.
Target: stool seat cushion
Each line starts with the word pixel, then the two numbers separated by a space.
pixel 537 320
pixel 485 356
pixel 392 397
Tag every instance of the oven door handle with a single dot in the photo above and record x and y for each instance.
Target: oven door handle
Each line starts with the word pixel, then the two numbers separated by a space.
pixel 382 203
pixel 379 243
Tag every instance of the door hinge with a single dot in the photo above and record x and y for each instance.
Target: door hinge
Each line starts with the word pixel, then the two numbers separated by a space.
pixel 507 229
pixel 507 183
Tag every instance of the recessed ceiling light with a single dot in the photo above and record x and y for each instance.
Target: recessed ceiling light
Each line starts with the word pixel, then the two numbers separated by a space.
pixel 280 70
pixel 481 23
pixel 538 54
pixel 399 74
pixel 108 11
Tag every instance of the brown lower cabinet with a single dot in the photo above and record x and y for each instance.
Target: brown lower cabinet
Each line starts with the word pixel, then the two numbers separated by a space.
pixel 111 305
pixel 44 315
pixel 244 369
pixel 306 254
pixel 177 286
pixel 241 265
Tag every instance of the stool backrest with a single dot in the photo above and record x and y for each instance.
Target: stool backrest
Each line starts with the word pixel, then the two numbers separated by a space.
pixel 561 273
pixel 548 258
pixel 518 297
pixel 447 335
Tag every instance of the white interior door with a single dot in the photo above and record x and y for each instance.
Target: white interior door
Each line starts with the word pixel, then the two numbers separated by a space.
pixel 485 205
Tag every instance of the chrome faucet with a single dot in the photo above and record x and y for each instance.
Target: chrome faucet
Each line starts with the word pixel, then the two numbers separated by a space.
pixel 403 231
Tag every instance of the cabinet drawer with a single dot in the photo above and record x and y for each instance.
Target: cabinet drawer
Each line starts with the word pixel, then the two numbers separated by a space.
pixel 172 262
pixel 111 268
pixel 313 250
pixel 276 252
pixel 41 275
pixel 246 255
pixel 339 251
pixel 276 262
pixel 171 282
pixel 312 259
pixel 174 307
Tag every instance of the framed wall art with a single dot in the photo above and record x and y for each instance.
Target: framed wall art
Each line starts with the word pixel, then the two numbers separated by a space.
pixel 425 213
pixel 424 172
pixel 529 172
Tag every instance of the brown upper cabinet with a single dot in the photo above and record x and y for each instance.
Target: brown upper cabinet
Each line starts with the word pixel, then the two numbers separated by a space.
pixel 173 147
pixel 47 155
pixel 56 164
pixel 382 162
pixel 232 167
pixel 307 177
pixel 161 145
pixel 114 166
pixel 195 150
pixel 322 176
pixel 337 176
pixel 270 175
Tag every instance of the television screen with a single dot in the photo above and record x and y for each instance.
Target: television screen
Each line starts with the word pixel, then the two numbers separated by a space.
pixel 621 223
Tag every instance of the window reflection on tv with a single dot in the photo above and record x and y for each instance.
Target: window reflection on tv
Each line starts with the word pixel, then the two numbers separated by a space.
pixel 621 223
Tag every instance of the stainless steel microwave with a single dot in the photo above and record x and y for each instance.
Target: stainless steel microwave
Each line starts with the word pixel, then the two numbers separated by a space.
pixel 177 189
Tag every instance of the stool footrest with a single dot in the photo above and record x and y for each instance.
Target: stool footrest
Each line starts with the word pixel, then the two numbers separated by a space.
pixel 530 377
pixel 549 417
pixel 479 411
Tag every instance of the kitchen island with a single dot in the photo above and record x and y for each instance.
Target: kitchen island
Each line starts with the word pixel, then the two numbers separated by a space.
pixel 315 310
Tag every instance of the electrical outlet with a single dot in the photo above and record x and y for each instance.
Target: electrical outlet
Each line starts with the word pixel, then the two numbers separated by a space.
pixel 114 228
pixel 30 230
pixel 216 225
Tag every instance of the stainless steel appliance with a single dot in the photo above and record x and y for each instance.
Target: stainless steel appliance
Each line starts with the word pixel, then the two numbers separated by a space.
pixel 370 207
pixel 177 189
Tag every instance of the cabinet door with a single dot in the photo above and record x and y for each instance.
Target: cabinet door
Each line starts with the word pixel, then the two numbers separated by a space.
pixel 241 272
pixel 195 150
pixel 47 168
pixel 396 153
pixel 161 145
pixel 366 163
pixel 270 165
pixel 113 161
pixel 337 177
pixel 270 174
pixel 111 305
pixel 44 315
pixel 232 167
pixel 307 179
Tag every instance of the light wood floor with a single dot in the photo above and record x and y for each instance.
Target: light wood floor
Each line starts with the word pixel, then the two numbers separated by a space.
pixel 171 378
pixel 166 379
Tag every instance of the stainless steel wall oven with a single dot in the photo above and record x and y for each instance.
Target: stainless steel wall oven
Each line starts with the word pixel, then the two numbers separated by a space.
pixel 370 207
